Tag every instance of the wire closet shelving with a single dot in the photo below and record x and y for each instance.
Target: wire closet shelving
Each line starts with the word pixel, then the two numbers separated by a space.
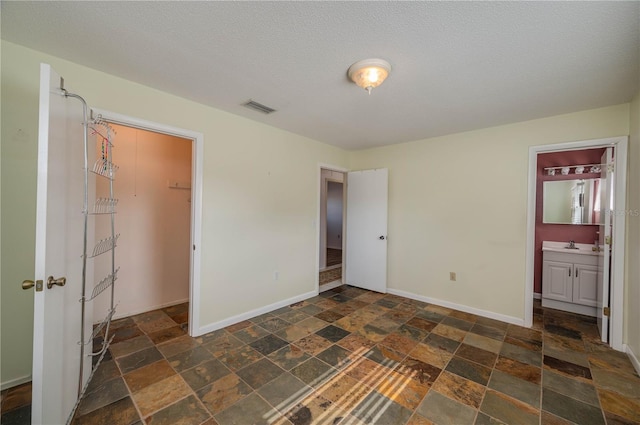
pixel 100 242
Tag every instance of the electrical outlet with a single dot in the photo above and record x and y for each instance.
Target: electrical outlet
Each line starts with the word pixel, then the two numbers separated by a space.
pixel 452 276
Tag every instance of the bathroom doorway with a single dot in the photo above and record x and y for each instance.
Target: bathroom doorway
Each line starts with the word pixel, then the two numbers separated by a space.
pixel 615 168
pixel 556 179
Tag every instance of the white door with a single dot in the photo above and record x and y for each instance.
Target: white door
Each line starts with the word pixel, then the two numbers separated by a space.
pixel 604 259
pixel 366 256
pixel 59 246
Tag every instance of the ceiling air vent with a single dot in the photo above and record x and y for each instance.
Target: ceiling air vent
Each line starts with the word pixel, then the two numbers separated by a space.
pixel 258 107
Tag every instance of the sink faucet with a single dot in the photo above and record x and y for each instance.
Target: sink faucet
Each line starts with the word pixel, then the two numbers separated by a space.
pixel 572 244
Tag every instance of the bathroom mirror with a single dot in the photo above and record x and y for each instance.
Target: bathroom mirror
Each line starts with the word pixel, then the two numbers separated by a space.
pixel 571 201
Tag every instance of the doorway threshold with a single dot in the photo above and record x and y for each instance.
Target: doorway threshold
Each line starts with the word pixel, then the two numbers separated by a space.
pixel 335 266
pixel 330 285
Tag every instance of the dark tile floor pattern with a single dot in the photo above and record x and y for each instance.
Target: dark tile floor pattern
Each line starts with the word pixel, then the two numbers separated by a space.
pixel 351 356
pixel 16 405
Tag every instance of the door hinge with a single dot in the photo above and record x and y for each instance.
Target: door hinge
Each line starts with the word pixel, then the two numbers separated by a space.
pixel 607 240
pixel 606 311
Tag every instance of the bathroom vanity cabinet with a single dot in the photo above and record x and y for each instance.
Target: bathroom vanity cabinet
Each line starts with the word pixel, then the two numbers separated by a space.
pixel 570 280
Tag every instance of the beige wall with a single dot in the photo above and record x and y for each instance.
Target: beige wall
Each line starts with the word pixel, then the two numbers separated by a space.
pixel 19 134
pixel 153 221
pixel 632 293
pixel 458 203
pixel 260 198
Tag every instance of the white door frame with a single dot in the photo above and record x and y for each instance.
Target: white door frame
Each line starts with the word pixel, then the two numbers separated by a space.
pixel 323 166
pixel 196 199
pixel 616 300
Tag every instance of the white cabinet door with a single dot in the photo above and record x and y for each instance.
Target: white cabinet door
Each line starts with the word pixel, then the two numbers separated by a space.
pixel 585 285
pixel 558 281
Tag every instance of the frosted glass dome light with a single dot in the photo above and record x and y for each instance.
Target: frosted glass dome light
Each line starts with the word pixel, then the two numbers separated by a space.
pixel 369 73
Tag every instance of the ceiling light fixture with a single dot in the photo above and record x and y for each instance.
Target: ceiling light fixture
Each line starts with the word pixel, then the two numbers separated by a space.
pixel 369 73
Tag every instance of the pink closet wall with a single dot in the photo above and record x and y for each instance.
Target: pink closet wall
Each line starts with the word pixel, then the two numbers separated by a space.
pixel 561 232
pixel 154 222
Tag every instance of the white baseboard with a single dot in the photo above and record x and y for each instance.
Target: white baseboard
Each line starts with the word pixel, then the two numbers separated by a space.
pixel 537 296
pixel 632 356
pixel 460 307
pixel 117 315
pixel 330 285
pixel 571 307
pixel 253 313
pixel 14 382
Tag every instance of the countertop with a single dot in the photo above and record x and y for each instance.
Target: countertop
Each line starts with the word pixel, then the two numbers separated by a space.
pixel 582 248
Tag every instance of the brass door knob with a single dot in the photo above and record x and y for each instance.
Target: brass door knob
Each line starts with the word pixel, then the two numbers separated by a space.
pixel 60 281
pixel 28 284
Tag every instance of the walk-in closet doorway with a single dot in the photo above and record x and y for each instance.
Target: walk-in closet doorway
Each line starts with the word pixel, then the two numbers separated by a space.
pixel 159 216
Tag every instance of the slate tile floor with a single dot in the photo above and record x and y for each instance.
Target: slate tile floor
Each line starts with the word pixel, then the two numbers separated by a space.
pixel 16 405
pixel 351 356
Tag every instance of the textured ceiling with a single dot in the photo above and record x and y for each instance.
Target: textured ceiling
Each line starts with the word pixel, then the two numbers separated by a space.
pixel 457 66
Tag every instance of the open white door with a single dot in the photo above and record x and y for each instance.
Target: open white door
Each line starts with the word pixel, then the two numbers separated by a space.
pixel 604 241
pixel 59 246
pixel 366 263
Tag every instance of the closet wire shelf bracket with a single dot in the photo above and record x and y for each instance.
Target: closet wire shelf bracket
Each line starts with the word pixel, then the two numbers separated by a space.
pixel 104 206
pixel 104 284
pixel 105 245
pixel 98 328
pixel 105 168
